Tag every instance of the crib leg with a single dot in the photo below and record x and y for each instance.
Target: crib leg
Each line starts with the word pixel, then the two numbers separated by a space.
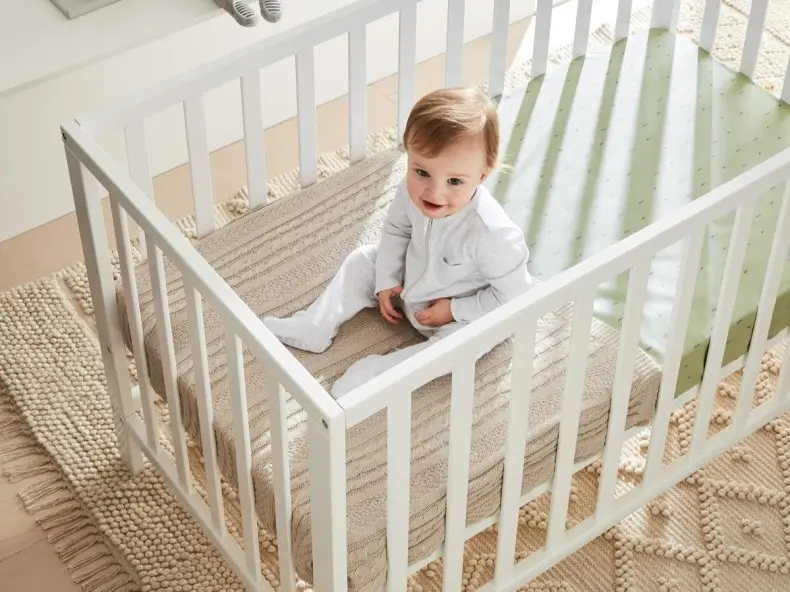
pixel 96 251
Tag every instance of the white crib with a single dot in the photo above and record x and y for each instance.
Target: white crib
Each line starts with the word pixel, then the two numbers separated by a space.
pixel 328 420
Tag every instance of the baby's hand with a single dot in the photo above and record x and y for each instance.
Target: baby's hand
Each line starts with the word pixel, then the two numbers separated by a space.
pixel 388 310
pixel 437 314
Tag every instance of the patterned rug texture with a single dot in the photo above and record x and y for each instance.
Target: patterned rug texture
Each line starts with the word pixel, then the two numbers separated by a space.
pixel 725 528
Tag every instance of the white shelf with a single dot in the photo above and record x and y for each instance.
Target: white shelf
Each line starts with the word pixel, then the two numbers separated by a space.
pixel 37 41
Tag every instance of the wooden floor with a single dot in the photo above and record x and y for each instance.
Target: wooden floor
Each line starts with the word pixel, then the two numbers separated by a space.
pixel 27 561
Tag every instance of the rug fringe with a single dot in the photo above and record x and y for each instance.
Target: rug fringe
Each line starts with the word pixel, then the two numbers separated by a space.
pixel 29 469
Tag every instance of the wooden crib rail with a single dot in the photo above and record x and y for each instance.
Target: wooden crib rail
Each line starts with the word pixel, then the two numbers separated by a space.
pixel 135 413
pixel 457 355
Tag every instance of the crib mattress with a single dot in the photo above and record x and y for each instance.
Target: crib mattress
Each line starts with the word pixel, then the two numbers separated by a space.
pixel 278 259
pixel 602 148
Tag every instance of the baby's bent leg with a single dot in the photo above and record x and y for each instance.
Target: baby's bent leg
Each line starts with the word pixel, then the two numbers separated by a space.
pixel 350 291
pixel 369 367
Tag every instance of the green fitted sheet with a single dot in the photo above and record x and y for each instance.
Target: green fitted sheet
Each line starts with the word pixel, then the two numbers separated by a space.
pixel 602 148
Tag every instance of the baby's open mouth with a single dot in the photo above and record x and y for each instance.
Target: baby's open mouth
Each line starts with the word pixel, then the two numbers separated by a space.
pixel 431 207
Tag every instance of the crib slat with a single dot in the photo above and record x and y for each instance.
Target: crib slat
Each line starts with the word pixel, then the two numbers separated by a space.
pixel 786 85
pixel 241 438
pixel 254 149
pixel 765 311
pixel 571 411
pixel 282 486
pixel 357 91
pixel 736 252
pixel 665 14
pixel 461 407
pixel 132 300
pixel 499 35
pixel 540 52
pixel 327 441
pixel 139 167
pixel 754 34
pixel 710 23
pixel 407 57
pixel 194 305
pixel 455 43
pixel 165 337
pixel 681 311
pixel 582 33
pixel 305 105
pixel 398 491
pixel 199 165
pixel 621 393
pixel 517 432
pixel 623 23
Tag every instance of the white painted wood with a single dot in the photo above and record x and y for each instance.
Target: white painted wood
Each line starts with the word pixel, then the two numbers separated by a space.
pixel 455 43
pixel 327 441
pixel 305 101
pixel 398 493
pixel 357 91
pixel 499 35
pixel 733 272
pixel 517 435
pixel 765 310
pixel 636 295
pixel 540 51
pixel 623 24
pixel 571 410
pixel 97 263
pixel 199 165
pixel 754 33
pixel 169 368
pixel 665 14
pixel 199 510
pixel 243 448
pixel 254 148
pixel 710 22
pixel 132 300
pixel 302 386
pixel 139 167
pixel 786 85
pixel 197 334
pixel 407 57
pixel 462 405
pixel 582 30
pixel 676 337
pixel 278 418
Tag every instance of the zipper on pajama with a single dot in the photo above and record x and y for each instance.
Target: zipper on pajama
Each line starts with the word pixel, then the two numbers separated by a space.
pixel 427 259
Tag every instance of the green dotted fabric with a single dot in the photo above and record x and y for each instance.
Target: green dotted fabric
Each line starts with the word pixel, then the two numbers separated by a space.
pixel 604 147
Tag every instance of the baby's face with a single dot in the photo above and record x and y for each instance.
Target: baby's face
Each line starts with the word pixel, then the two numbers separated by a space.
pixel 444 184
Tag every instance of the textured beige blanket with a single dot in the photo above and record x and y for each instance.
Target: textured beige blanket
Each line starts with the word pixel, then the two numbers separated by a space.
pixel 278 259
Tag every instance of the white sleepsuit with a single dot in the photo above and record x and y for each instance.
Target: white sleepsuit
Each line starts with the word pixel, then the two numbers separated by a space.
pixel 476 257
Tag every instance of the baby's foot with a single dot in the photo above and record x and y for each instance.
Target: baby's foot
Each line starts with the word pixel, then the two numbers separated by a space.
pixel 358 373
pixel 271 10
pixel 299 332
pixel 240 11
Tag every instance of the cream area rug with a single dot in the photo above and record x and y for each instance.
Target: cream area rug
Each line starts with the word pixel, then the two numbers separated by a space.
pixel 725 528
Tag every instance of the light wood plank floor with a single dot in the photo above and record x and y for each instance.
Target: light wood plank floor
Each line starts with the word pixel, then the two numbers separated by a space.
pixel 27 561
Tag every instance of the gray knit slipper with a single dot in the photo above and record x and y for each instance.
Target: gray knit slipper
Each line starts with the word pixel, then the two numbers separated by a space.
pixel 271 10
pixel 240 11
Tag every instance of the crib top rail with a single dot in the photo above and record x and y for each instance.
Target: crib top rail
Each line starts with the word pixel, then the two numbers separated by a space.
pixel 497 326
pixel 295 378
pixel 237 64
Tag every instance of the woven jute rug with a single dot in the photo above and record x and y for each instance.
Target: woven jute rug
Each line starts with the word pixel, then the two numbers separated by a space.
pixel 725 528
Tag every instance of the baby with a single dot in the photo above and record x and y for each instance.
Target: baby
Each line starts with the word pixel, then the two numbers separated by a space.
pixel 448 252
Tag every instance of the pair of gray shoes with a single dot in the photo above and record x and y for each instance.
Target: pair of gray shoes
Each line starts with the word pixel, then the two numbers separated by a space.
pixel 243 13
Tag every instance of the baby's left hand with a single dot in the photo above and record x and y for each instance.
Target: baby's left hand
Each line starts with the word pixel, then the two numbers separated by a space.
pixel 437 314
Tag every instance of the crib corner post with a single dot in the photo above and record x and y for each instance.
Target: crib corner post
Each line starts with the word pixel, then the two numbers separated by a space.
pixel 327 439
pixel 96 252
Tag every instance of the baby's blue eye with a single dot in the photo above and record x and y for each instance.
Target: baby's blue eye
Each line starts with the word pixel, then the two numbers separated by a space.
pixel 422 173
pixel 454 181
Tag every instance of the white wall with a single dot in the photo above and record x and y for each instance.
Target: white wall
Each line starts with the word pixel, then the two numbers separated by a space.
pixel 34 187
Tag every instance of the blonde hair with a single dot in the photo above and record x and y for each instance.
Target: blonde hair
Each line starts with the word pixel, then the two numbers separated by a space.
pixel 443 117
